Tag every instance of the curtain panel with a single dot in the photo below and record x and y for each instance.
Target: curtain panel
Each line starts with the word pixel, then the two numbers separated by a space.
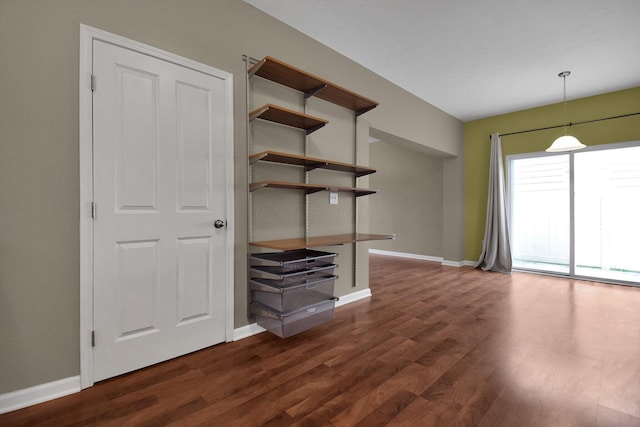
pixel 496 251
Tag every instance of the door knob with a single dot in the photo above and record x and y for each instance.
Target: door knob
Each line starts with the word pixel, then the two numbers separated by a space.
pixel 219 223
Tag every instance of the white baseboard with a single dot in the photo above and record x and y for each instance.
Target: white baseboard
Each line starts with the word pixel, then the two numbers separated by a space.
pixel 353 297
pixel 247 331
pixel 454 263
pixel 406 255
pixel 37 394
pixel 441 260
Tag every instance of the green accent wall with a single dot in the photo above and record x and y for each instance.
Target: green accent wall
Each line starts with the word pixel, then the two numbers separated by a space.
pixel 477 144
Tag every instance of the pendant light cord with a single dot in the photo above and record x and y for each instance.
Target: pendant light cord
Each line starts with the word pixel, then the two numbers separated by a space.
pixel 564 75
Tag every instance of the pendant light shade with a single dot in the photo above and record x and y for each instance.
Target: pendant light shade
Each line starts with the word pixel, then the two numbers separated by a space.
pixel 565 142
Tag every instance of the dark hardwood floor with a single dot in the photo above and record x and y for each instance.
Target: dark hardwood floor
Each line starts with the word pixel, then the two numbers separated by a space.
pixel 434 346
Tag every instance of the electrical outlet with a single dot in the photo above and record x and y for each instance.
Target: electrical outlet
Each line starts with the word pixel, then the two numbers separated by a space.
pixel 333 198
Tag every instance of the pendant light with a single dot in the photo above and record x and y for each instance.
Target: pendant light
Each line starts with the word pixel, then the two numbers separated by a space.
pixel 565 142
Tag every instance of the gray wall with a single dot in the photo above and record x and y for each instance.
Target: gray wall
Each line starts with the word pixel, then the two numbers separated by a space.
pixel 39 194
pixel 409 199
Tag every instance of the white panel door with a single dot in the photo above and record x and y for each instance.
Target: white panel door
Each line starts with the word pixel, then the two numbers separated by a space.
pixel 159 186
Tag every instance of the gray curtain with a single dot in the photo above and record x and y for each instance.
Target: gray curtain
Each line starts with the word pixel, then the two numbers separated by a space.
pixel 496 252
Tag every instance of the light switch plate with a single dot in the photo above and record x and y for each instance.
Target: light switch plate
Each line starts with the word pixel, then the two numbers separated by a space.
pixel 333 198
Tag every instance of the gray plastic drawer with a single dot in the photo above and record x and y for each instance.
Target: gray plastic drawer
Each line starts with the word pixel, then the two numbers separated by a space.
pixel 294 296
pixel 286 325
pixel 274 273
pixel 292 260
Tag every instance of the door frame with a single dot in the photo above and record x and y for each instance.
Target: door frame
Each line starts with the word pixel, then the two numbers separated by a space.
pixel 87 36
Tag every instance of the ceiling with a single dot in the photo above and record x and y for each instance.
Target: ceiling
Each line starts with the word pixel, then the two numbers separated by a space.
pixel 475 59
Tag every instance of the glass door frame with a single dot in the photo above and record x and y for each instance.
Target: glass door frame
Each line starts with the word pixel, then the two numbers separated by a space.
pixel 572 228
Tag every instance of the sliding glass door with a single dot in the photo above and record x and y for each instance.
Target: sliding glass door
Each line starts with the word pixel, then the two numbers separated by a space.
pixel 577 213
pixel 607 213
pixel 540 213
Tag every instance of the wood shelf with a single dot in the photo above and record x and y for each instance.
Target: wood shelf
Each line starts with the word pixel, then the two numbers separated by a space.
pixel 295 78
pixel 302 243
pixel 309 188
pixel 309 163
pixel 284 116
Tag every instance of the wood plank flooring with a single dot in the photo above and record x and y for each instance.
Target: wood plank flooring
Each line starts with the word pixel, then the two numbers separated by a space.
pixel 434 346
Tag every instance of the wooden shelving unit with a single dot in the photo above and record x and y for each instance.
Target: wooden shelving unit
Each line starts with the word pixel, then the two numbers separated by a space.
pixel 272 316
pixel 310 163
pixel 312 242
pixel 311 86
pixel 309 188
pixel 284 116
pixel 295 78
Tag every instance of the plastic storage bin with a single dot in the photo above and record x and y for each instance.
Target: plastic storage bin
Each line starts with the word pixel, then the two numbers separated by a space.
pixel 292 260
pixel 294 296
pixel 287 324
